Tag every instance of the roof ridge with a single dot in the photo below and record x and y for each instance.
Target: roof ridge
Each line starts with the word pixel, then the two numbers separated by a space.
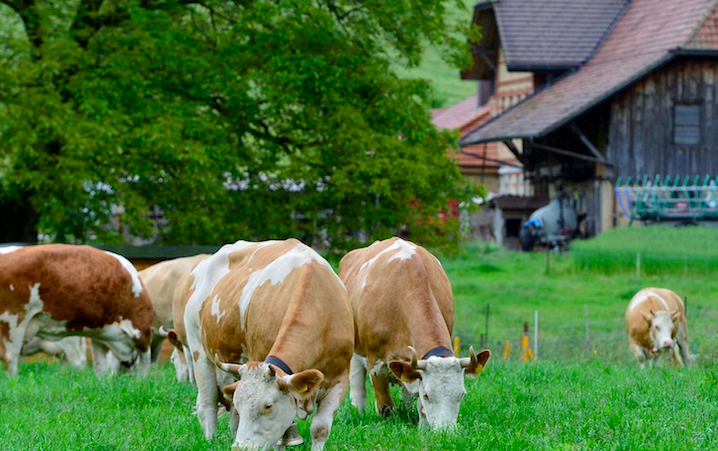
pixel 608 30
pixel 700 24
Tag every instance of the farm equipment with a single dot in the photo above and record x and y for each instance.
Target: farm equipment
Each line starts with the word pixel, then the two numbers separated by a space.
pixel 553 225
pixel 683 200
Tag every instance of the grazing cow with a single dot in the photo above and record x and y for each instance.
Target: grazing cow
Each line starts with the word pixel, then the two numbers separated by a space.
pixel 71 349
pixel 402 304
pixel 161 280
pixel 282 305
pixel 657 325
pixel 54 291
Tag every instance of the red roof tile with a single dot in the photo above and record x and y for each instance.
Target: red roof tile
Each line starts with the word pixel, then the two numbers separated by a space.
pixel 646 36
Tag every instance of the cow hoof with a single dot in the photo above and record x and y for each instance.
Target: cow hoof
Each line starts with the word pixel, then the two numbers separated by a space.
pixel 291 437
pixel 385 411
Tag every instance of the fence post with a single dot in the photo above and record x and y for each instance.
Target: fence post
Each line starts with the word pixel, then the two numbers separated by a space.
pixel 588 336
pixel 486 331
pixel 638 264
pixel 685 304
pixel 483 344
pixel 536 335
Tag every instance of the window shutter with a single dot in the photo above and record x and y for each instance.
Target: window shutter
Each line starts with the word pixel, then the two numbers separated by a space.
pixel 687 125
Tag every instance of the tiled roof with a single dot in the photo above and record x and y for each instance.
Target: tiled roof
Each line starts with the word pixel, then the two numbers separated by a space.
pixel 646 36
pixel 461 115
pixel 473 156
pixel 465 116
pixel 553 33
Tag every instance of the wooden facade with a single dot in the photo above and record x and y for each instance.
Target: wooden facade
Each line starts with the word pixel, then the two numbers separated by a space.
pixel 642 136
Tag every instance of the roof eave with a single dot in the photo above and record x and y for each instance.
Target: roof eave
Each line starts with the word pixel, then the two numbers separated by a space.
pixel 463 143
pixel 598 100
pixel 540 67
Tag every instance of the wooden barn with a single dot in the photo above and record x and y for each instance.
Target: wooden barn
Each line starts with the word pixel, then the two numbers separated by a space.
pixel 625 93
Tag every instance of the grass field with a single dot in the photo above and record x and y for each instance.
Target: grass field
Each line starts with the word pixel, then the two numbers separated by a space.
pixel 575 397
pixel 663 249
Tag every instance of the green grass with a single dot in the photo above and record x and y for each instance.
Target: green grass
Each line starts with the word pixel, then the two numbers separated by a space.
pixel 575 397
pixel 662 249
pixel 543 406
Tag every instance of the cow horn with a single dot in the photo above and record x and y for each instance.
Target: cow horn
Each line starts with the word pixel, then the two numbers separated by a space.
pixel 233 368
pixel 162 332
pixel 471 361
pixel 415 362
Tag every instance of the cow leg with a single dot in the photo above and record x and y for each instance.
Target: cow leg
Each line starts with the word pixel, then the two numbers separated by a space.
pixel 358 383
pixel 326 409
pixel 207 396
pixel 99 358
pixel 380 381
pixel 639 352
pixel 676 351
pixel 233 421
pixel 190 365
pixel 157 342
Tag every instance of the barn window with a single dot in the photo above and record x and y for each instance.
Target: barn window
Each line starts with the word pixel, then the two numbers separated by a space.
pixel 687 124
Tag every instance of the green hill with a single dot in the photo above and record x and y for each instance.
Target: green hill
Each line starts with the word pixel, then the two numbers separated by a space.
pixel 448 86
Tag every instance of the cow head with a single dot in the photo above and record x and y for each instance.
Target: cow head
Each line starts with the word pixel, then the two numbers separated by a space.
pixel 267 400
pixel 660 328
pixel 439 384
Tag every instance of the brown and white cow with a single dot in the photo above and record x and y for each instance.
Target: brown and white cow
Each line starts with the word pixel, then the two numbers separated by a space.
pixel 161 280
pixel 280 305
pixel 403 304
pixel 56 290
pixel 657 325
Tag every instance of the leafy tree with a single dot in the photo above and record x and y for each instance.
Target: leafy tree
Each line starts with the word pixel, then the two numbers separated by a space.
pixel 239 119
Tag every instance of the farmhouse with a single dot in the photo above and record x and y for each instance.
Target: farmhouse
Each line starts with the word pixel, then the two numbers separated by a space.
pixel 591 94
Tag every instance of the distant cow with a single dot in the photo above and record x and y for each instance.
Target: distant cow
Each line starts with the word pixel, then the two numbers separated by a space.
pixel 657 325
pixel 282 305
pixel 71 349
pixel 54 291
pixel 161 280
pixel 403 304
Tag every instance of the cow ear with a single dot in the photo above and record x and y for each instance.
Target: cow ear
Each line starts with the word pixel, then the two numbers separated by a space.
pixel 302 385
pixel 675 315
pixel 404 371
pixel 228 393
pixel 172 337
pixel 475 369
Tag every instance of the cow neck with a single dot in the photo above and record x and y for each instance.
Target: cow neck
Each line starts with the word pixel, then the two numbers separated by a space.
pixel 279 363
pixel 436 336
pixel 439 351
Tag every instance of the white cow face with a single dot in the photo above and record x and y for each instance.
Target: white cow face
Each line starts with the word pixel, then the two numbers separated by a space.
pixel 661 329
pixel 181 370
pixel 266 400
pixel 439 383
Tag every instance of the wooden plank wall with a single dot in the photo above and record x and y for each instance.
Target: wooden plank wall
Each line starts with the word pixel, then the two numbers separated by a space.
pixel 641 125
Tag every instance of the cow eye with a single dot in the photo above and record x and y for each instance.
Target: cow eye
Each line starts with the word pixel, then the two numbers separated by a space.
pixel 426 397
pixel 268 407
pixel 658 327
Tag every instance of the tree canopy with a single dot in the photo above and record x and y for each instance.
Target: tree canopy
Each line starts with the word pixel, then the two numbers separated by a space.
pixel 238 119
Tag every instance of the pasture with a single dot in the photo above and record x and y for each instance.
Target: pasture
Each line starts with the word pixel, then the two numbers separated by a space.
pixel 577 396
